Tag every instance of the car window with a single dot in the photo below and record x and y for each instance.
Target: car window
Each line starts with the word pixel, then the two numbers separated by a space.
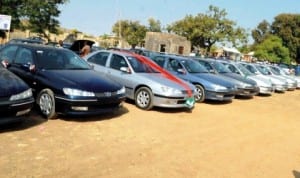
pixel 99 58
pixel 193 66
pixel 8 53
pixel 159 60
pixel 174 65
pixel 24 56
pixel 117 62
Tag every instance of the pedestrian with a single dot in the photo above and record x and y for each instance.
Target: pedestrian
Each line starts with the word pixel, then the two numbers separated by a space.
pixel 86 49
pixel 60 44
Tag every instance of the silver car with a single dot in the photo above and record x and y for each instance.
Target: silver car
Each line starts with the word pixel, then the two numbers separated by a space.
pixel 145 82
pixel 284 73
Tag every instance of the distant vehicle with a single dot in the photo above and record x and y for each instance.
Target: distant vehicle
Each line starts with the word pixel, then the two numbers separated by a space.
pixel 265 85
pixel 25 40
pixel 144 84
pixel 279 85
pixel 208 86
pixel 291 83
pixel 283 72
pixel 62 82
pixel 246 86
pixel 16 97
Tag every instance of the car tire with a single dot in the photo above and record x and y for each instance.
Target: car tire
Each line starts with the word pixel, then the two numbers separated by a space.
pixel 144 98
pixel 46 103
pixel 200 93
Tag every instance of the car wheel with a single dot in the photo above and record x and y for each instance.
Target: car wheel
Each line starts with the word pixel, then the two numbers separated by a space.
pixel 46 103
pixel 200 94
pixel 144 98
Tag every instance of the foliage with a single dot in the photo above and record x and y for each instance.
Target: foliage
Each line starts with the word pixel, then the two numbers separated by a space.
pixel 261 31
pixel 271 49
pixel 204 30
pixel 154 25
pixel 132 31
pixel 40 15
pixel 287 27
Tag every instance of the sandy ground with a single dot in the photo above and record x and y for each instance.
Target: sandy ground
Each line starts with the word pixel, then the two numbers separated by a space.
pixel 246 138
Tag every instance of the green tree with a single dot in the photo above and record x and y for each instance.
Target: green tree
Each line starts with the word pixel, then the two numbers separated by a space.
pixel 271 49
pixel 132 31
pixel 154 25
pixel 261 31
pixel 204 30
pixel 287 27
pixel 40 15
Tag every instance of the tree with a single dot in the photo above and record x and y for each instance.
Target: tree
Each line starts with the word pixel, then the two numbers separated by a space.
pixel 271 49
pixel 154 25
pixel 261 31
pixel 132 31
pixel 204 30
pixel 40 15
pixel 287 27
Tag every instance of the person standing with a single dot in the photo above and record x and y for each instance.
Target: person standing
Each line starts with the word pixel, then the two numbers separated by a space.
pixel 86 49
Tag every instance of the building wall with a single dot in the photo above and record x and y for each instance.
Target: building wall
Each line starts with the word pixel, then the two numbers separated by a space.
pixel 174 44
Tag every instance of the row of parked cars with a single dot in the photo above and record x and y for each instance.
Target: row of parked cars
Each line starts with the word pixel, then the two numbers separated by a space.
pixel 60 82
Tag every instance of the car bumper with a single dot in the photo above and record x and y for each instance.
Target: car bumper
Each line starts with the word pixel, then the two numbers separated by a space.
pixel 291 86
pixel 88 107
pixel 173 102
pixel 247 91
pixel 280 88
pixel 220 96
pixel 12 111
pixel 266 90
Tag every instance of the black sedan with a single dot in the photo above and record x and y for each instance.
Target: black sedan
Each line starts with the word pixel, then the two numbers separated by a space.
pixel 16 97
pixel 62 82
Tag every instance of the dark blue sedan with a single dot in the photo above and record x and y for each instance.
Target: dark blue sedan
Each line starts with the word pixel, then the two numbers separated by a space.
pixel 62 82
pixel 16 97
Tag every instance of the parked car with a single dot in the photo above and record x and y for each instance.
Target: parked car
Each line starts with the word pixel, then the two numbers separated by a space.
pixel 144 83
pixel 25 40
pixel 246 86
pixel 278 84
pixel 292 83
pixel 16 97
pixel 283 72
pixel 265 85
pixel 209 86
pixel 62 82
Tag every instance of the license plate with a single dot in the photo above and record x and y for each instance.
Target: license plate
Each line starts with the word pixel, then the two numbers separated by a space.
pixel 190 102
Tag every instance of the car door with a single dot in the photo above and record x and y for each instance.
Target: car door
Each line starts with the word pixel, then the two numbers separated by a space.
pixel 117 71
pixel 99 61
pixel 21 65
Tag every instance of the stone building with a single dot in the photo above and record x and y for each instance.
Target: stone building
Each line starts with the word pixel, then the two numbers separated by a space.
pixel 167 43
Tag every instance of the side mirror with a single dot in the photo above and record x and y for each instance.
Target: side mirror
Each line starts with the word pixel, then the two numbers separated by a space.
pixel 181 71
pixel 125 69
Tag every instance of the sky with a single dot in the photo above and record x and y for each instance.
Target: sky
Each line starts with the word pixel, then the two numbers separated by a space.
pixel 97 17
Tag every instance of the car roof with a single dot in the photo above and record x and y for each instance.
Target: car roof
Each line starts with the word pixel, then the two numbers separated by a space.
pixel 36 46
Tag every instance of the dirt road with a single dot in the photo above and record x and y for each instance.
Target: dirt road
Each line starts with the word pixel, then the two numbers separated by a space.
pixel 246 138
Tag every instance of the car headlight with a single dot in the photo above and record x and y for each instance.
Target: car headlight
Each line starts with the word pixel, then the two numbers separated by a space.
pixel 23 95
pixel 121 91
pixel 219 87
pixel 170 90
pixel 76 92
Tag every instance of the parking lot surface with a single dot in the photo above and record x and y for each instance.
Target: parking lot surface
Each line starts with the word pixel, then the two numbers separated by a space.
pixel 245 138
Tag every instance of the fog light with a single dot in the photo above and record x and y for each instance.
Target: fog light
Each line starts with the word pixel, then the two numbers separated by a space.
pixel 80 108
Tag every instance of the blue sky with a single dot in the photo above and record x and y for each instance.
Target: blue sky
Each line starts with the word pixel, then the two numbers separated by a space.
pixel 96 17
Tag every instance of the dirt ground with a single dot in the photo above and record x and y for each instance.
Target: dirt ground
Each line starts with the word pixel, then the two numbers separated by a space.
pixel 246 138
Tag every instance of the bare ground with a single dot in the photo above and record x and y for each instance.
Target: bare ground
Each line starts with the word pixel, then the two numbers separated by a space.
pixel 245 138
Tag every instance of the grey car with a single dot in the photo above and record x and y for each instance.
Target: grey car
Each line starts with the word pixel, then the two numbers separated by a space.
pixel 143 80
pixel 209 86
pixel 246 86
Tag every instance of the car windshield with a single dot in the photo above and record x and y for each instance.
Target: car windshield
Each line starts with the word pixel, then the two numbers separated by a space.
pixel 60 60
pixel 263 70
pixel 220 68
pixel 244 70
pixel 193 66
pixel 139 66
pixel 275 72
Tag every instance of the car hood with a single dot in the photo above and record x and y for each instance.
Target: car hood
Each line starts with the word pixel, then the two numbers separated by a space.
pixel 215 79
pixel 87 80
pixel 10 84
pixel 164 80
pixel 261 81
pixel 240 78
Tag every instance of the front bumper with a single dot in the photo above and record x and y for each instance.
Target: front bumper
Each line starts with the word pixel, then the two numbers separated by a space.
pixel 220 96
pixel 88 107
pixel 181 101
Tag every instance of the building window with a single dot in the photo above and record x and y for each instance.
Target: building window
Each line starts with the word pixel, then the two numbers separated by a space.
pixel 162 48
pixel 180 50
